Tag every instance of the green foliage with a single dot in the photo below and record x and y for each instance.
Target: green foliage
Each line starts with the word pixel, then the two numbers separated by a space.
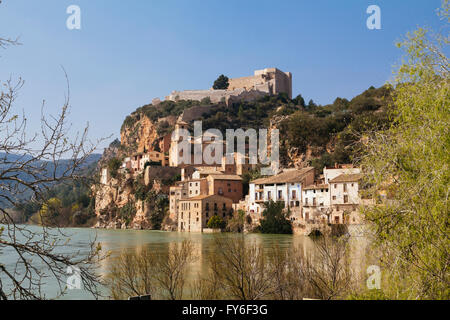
pixel 172 180
pixel 127 212
pixel 159 208
pixel 249 176
pixel 221 83
pixel 275 220
pixel 216 222
pixel 373 294
pixel 409 161
pixel 339 125
pixel 163 128
pixel 113 166
pixel 140 191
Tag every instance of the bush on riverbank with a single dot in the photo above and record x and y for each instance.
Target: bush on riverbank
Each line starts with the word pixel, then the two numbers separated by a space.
pixel 275 219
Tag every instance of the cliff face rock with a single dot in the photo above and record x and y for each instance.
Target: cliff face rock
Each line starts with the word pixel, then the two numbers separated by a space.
pixel 141 134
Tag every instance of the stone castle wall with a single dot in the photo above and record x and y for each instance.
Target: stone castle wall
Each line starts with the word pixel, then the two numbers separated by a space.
pixel 270 81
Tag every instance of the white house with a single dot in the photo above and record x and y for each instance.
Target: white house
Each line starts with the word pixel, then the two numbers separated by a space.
pixel 345 199
pixel 331 173
pixel 286 187
pixel 104 176
pixel 316 202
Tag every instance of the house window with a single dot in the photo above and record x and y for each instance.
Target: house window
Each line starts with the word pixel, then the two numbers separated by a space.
pixel 220 191
pixel 314 201
pixel 306 201
pixel 345 199
pixel 345 187
pixel 334 197
pixel 335 186
pixel 280 194
pixel 294 194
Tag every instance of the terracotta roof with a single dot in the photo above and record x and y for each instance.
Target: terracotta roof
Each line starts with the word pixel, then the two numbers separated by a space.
pixel 347 178
pixel 287 176
pixel 205 196
pixel 225 177
pixel 316 186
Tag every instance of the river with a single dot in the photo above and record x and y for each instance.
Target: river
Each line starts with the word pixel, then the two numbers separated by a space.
pixel 114 241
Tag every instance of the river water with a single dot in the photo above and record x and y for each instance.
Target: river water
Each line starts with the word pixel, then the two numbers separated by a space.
pixel 114 241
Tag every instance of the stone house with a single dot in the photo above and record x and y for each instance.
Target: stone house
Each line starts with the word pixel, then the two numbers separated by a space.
pixel 177 192
pixel 331 173
pixel 345 199
pixel 229 186
pixel 316 203
pixel 195 212
pixel 152 156
pixel 105 176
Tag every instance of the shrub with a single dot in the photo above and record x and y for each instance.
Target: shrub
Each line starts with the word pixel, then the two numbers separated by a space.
pixel 216 222
pixel 274 220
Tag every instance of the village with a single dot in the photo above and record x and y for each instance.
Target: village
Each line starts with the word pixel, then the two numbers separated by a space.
pixel 314 201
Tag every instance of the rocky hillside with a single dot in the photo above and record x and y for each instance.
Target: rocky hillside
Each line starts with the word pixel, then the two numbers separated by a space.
pixel 309 135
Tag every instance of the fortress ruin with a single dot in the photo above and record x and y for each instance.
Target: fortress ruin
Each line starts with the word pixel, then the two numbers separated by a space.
pixel 269 81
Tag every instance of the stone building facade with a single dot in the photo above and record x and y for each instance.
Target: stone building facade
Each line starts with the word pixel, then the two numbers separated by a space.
pixel 269 81
pixel 194 213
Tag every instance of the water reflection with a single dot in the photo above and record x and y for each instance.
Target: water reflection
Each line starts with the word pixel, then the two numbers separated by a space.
pixel 114 241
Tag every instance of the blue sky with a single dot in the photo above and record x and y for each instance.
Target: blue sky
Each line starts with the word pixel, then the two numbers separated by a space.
pixel 129 52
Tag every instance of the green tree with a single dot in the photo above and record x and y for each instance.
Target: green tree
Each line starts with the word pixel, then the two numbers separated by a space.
pixel 410 163
pixel 221 83
pixel 216 222
pixel 275 220
pixel 114 165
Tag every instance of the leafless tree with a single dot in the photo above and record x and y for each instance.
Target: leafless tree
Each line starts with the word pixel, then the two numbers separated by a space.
pixel 30 164
pixel 171 269
pixel 132 274
pixel 288 281
pixel 241 269
pixel 159 274
pixel 327 270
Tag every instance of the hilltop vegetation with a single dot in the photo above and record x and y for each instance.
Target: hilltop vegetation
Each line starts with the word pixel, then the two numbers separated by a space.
pixel 313 134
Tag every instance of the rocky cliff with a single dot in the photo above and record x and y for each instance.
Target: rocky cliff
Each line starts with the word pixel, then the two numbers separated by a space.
pixel 309 135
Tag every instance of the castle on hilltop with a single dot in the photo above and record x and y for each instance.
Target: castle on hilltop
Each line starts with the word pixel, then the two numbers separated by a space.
pixel 269 81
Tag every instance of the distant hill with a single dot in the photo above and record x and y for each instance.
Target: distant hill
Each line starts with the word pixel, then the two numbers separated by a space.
pixel 5 158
